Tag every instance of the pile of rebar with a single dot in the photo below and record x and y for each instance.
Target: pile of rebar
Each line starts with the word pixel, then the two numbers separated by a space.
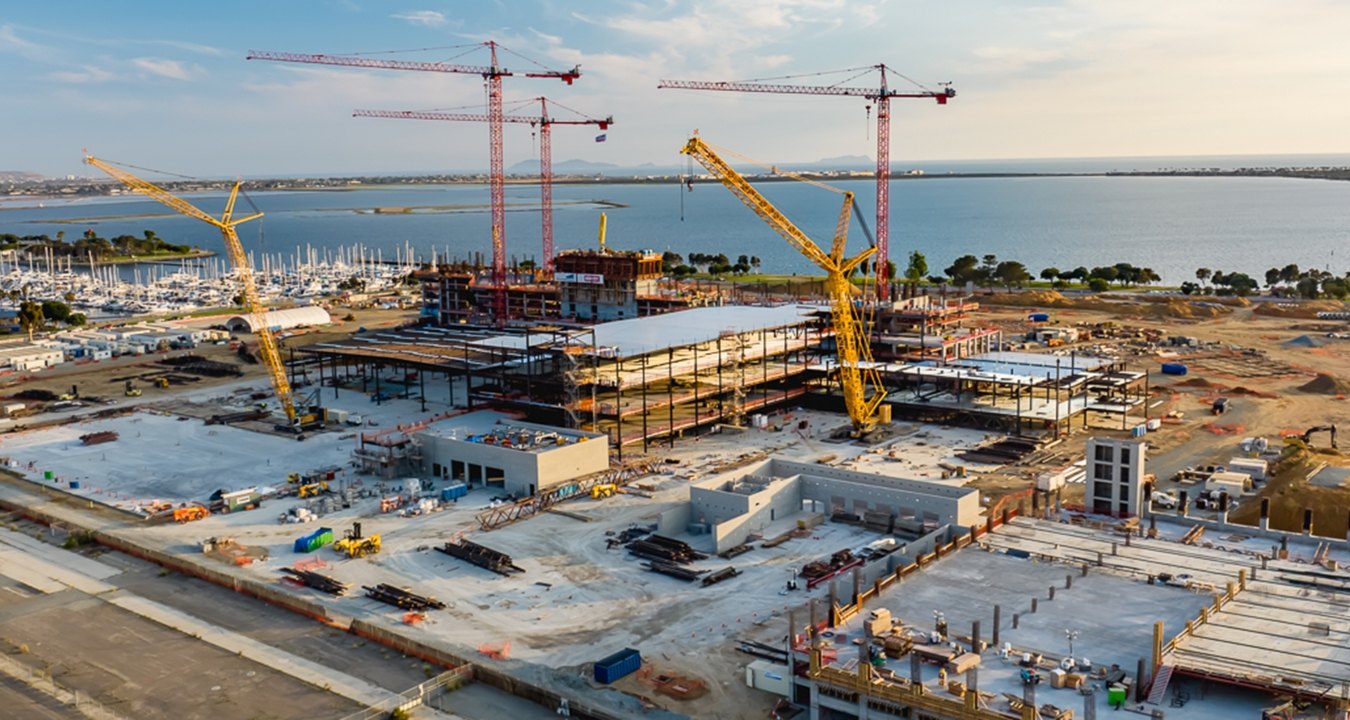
pixel 663 549
pixel 319 582
pixel 733 552
pixel 483 557
pixel 675 571
pixel 401 598
pixel 718 576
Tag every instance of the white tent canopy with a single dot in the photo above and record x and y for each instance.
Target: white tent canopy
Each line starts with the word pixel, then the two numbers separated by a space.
pixel 282 319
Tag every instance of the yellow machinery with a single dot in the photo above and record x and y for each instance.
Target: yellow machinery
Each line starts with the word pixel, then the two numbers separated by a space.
pixel 312 489
pixel 267 344
pixel 354 545
pixel 856 369
pixel 190 513
pixel 604 490
pixel 603 222
pixel 132 390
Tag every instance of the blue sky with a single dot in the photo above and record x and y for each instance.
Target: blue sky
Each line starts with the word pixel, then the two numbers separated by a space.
pixel 166 85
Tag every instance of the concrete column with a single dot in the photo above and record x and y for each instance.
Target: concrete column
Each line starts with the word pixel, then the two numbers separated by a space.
pixel 1052 593
pixel 1139 683
pixel 1086 566
pixel 1016 617
pixel 1183 504
pixel 857 586
pixel 1223 509
pixel 1090 706
pixel 973 681
pixel 1115 548
pixel 975 636
pixel 1033 604
pixel 1099 558
pixel 1307 521
pixel 815 621
pixel 834 597
pixel 998 610
pixel 1127 538
pixel 915 669
pixel 1264 522
pixel 1068 582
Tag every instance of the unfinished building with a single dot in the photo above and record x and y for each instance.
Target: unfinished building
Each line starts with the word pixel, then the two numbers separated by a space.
pixel 928 328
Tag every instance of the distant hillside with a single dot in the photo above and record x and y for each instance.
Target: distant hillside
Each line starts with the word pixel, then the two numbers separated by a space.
pixel 569 167
pixel 19 176
pixel 842 162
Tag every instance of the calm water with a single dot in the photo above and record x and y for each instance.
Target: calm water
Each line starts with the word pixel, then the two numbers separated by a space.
pixel 1173 225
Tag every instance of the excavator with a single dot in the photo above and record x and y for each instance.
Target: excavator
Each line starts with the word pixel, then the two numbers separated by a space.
pixel 1306 437
pixel 864 393
pixel 267 343
pixel 131 390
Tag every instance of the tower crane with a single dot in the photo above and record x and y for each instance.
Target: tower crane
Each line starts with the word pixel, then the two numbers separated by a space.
pixel 493 74
pixel 543 121
pixel 267 344
pixel 857 372
pixel 881 95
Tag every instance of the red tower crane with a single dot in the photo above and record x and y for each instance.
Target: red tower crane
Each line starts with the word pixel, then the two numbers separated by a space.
pixel 544 121
pixel 881 95
pixel 493 74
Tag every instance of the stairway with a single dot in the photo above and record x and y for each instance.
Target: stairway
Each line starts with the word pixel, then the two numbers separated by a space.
pixel 1158 692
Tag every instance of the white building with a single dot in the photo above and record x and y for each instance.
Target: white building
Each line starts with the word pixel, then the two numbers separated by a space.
pixel 27 357
pixel 486 447
pixel 1115 476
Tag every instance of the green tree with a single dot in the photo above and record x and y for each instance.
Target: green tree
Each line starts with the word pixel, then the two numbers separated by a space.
pixel 964 269
pixel 76 319
pixel 669 261
pixel 1203 274
pixel 1050 273
pixel 754 262
pixel 917 268
pixel 1289 273
pixel 1096 284
pixel 30 317
pixel 1012 274
pixel 55 310
pixel 1272 277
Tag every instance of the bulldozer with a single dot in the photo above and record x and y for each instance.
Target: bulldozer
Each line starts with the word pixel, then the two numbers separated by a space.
pixel 604 490
pixel 355 545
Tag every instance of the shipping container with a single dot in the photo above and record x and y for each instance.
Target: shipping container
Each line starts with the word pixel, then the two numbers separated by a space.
pixel 1039 317
pixel 454 491
pixel 1169 368
pixel 314 540
pixel 622 663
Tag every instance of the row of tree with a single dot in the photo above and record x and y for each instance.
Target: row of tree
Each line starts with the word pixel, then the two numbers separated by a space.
pixel 34 316
pixel 675 265
pixel 1288 280
pixel 90 244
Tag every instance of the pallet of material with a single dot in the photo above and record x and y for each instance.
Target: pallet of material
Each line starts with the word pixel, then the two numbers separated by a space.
pixel 483 557
pixel 662 549
pixel 401 598
pixel 675 571
pixel 774 542
pixel 718 576
pixel 97 438
pixel 319 582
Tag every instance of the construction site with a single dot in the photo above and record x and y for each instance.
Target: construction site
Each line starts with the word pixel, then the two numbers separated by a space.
pixel 587 490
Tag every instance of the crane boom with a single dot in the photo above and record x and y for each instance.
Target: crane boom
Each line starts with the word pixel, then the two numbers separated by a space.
pixel 267 344
pixel 856 369
pixel 881 95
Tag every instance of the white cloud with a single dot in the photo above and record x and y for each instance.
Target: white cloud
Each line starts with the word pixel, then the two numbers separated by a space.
pixel 86 74
pixel 426 18
pixel 172 69
pixel 12 43
pixel 191 47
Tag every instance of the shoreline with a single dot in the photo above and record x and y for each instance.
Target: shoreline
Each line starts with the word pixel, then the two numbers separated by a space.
pixel 167 259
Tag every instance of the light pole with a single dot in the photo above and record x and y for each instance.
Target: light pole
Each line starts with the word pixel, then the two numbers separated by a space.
pixel 1071 635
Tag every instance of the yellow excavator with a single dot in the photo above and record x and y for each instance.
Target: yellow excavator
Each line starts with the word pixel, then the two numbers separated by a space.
pixel 267 343
pixel 863 390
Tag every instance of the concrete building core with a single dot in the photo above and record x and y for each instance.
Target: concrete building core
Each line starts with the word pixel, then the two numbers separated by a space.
pixel 734 504
pixel 486 447
pixel 1115 479
pixel 605 285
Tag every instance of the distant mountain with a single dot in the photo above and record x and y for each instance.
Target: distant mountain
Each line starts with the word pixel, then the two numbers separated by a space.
pixel 569 167
pixel 19 176
pixel 842 162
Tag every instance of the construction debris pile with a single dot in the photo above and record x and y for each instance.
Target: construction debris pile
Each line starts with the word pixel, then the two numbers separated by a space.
pixel 483 557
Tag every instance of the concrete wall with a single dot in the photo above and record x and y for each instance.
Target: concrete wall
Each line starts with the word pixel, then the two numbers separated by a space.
pixel 782 500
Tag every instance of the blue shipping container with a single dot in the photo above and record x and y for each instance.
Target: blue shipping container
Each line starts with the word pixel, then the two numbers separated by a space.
pixel 1039 317
pixel 624 662
pixel 454 492
pixel 1173 369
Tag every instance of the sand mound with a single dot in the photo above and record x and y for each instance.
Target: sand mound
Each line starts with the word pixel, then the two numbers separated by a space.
pixel 1030 298
pixel 1305 309
pixel 1326 385
pixel 1196 382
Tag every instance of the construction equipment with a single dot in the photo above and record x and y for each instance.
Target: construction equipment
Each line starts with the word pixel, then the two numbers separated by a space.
pixel 493 73
pixel 312 489
pixel 604 490
pixel 354 545
pixel 1306 437
pixel 857 373
pixel 226 224
pixel 190 513
pixel 544 121
pixel 131 390
pixel 880 95
pixel 161 382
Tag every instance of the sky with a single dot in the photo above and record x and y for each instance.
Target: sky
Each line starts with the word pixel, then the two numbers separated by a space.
pixel 166 84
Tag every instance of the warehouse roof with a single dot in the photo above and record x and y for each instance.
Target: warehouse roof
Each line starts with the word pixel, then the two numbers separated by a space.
pixel 283 319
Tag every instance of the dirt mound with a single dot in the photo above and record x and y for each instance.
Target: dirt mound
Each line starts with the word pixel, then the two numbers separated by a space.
pixel 1196 382
pixel 1326 385
pixel 1305 309
pixel 1030 298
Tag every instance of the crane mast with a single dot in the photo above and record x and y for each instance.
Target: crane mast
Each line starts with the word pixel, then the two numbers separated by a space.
pixel 857 372
pixel 267 344
pixel 544 121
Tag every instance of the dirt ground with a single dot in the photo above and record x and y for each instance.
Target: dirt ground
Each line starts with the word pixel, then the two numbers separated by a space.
pixel 1291 349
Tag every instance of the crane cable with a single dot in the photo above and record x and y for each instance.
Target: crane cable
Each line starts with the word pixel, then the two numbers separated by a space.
pixel 775 169
pixel 252 205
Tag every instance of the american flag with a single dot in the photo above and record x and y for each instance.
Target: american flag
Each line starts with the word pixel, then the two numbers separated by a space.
pixel 600 137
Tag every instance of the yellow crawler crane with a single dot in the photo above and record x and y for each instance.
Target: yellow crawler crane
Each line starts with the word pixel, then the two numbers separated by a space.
pixel 267 344
pixel 857 372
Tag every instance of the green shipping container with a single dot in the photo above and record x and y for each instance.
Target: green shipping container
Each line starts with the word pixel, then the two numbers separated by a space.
pixel 1115 695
